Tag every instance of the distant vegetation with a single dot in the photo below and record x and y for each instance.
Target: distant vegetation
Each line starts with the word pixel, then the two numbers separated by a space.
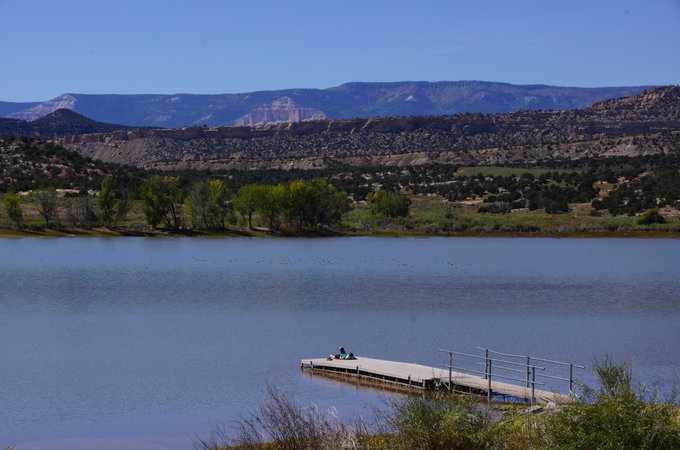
pixel 46 187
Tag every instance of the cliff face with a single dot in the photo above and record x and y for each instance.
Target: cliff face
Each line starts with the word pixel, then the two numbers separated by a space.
pixel 280 110
pixel 647 123
pixel 65 101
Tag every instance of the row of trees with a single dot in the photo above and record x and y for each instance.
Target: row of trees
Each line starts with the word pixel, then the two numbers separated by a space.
pixel 209 204
pixel 169 202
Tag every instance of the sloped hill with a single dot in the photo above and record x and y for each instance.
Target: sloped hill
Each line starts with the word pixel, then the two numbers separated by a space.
pixel 649 123
pixel 351 100
pixel 57 124
pixel 27 164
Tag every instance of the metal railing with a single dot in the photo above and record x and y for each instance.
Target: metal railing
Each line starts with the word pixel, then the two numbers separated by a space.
pixel 506 366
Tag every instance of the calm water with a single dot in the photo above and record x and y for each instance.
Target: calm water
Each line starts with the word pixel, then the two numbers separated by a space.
pixel 145 343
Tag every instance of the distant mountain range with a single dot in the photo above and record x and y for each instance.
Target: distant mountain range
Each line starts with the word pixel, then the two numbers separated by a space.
pixel 351 100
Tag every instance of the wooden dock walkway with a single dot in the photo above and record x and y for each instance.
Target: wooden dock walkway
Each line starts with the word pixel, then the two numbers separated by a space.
pixel 416 376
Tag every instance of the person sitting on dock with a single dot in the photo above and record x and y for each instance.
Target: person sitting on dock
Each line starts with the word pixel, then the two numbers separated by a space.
pixel 342 355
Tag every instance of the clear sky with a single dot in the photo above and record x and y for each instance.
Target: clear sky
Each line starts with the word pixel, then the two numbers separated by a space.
pixel 50 47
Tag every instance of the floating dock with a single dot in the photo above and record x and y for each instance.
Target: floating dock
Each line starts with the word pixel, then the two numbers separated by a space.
pixel 420 377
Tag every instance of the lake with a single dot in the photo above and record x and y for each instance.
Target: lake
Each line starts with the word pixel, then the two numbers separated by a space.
pixel 146 343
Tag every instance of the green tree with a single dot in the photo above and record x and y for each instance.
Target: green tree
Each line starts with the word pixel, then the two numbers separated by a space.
pixel 271 201
pixel 388 204
pixel 162 197
pixel 13 209
pixel 326 205
pixel 246 201
pixel 197 205
pixel 219 204
pixel 107 201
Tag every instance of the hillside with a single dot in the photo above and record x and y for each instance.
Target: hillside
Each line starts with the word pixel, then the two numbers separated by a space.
pixel 647 123
pixel 27 164
pixel 351 100
pixel 55 125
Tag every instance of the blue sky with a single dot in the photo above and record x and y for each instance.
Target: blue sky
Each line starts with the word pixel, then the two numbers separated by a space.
pixel 52 47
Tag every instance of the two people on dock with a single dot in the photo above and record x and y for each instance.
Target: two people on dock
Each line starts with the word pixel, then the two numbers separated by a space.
pixel 342 355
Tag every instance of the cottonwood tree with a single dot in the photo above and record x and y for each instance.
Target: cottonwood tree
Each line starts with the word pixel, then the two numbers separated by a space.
pixel 197 205
pixel 271 202
pixel 219 204
pixel 209 203
pixel 13 209
pixel 107 201
pixel 314 203
pixel 162 197
pixel 247 200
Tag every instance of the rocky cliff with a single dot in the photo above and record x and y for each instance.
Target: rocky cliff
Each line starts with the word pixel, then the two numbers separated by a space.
pixel 280 110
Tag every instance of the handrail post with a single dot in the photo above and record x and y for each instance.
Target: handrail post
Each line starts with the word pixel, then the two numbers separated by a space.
pixel 571 379
pixel 533 385
pixel 450 371
pixel 528 364
pixel 487 363
pixel 488 392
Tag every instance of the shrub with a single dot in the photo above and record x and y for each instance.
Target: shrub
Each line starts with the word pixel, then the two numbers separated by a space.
pixel 615 416
pixel 440 421
pixel 649 217
pixel 388 204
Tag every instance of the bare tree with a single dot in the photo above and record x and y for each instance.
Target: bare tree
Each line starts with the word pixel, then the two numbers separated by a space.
pixel 47 204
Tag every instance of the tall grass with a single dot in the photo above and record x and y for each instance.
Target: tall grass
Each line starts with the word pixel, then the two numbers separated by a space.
pixel 281 423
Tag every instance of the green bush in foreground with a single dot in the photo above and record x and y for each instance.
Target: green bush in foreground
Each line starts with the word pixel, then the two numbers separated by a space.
pixel 440 421
pixel 616 416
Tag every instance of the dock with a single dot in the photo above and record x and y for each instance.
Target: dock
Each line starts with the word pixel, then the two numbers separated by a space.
pixel 412 376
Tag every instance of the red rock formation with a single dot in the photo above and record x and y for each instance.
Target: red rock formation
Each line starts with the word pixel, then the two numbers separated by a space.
pixel 282 109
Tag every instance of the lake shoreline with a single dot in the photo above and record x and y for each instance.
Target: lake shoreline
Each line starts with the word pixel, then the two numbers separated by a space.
pixel 103 233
